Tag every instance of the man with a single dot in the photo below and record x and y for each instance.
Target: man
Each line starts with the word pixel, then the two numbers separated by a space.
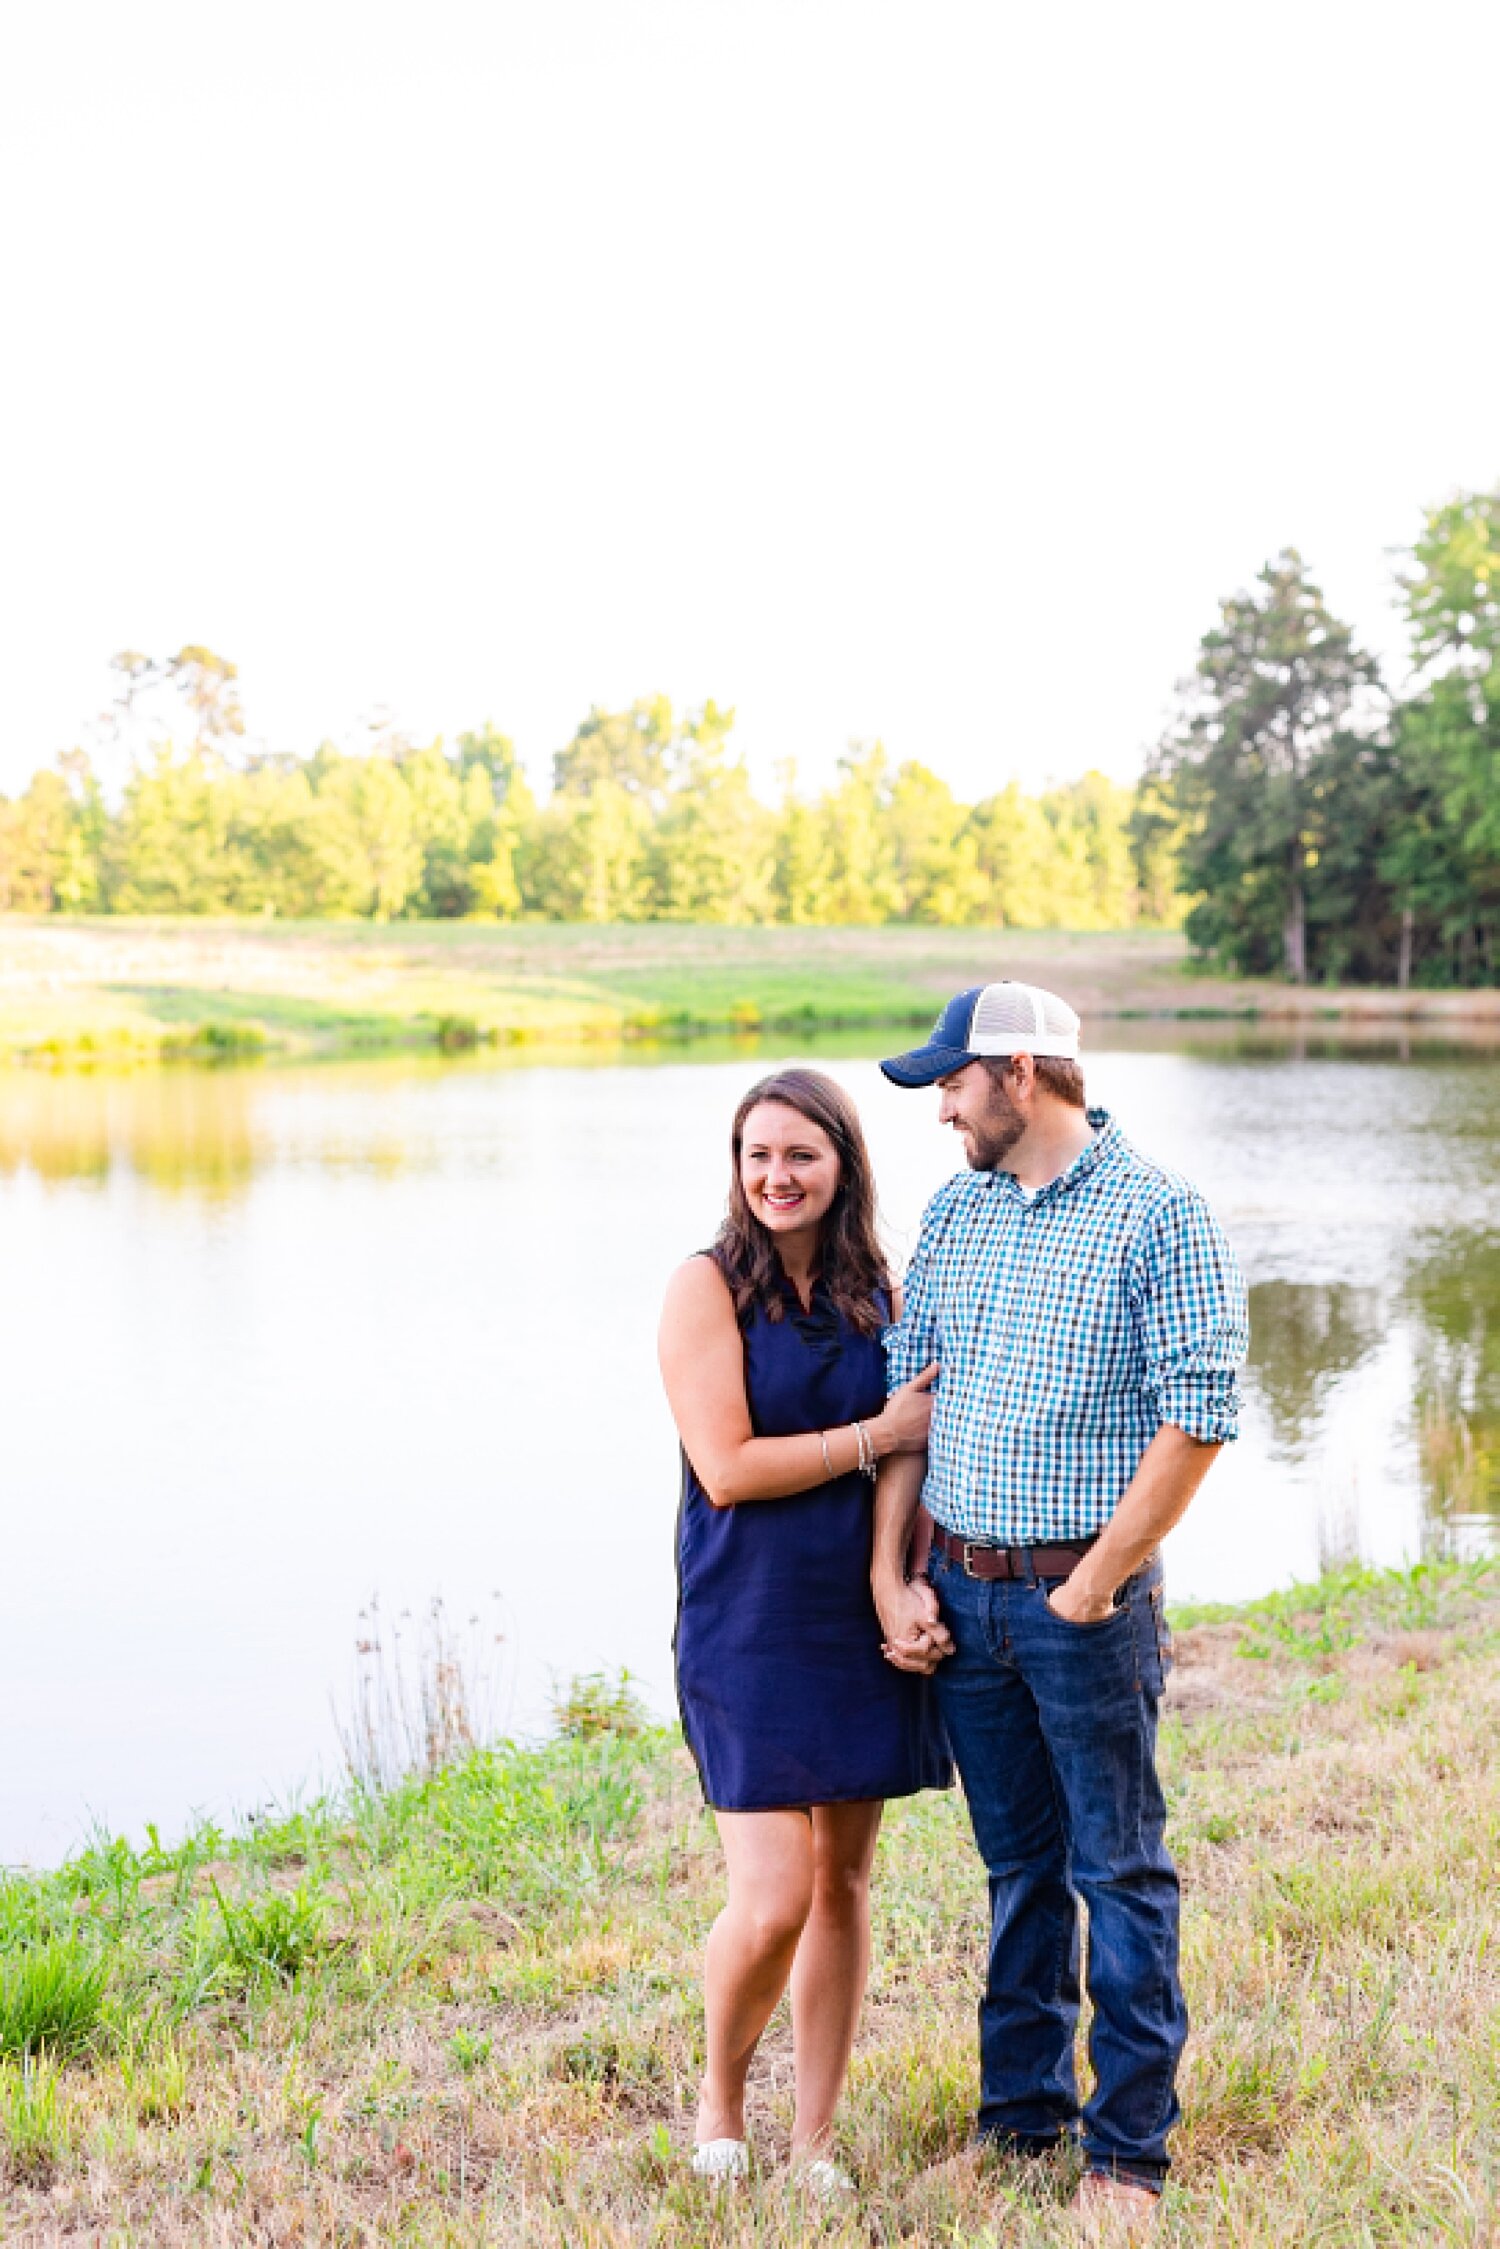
pixel 1089 1320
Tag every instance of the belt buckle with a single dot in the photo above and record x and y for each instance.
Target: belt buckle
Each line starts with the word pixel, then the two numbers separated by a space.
pixel 968 1550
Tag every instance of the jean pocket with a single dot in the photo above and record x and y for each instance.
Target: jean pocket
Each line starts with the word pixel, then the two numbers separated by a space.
pixel 1093 1625
pixel 1162 1629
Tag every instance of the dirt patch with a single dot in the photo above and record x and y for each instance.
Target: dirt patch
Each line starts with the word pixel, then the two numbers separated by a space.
pixel 1209 1674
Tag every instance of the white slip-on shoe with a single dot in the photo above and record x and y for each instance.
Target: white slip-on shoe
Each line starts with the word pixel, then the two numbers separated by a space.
pixel 721 2160
pixel 825 2179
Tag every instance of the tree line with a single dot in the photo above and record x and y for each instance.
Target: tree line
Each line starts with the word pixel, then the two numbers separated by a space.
pixel 1299 815
pixel 651 817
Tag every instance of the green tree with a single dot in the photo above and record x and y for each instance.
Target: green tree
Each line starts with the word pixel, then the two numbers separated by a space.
pixel 274 849
pixel 1443 858
pixel 1453 595
pixel 935 859
pixel 80 881
pixel 584 857
pixel 447 804
pixel 1090 818
pixel 1014 844
pixel 1276 679
pixel 486 746
pixel 860 884
pixel 631 750
pixel 195 836
pixel 1157 828
pixel 711 856
pixel 800 870
pixel 649 814
pixel 368 847
pixel 49 840
pixel 497 834
pixel 169 850
pixel 1358 807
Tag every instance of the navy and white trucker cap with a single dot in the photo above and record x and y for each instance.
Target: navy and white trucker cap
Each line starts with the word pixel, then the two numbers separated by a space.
pixel 989 1019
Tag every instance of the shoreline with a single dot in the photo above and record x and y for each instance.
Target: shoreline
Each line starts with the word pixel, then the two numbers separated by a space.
pixel 105 992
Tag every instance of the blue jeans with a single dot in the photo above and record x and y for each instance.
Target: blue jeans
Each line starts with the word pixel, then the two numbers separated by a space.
pixel 1054 1729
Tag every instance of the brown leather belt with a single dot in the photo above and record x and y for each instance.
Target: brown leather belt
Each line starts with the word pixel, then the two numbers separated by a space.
pixel 977 1559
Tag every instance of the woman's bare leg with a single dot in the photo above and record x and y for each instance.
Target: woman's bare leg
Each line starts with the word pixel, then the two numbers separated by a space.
pixel 750 1950
pixel 833 1960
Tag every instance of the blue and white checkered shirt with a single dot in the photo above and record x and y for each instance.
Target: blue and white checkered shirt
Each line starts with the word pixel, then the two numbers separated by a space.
pixel 1070 1323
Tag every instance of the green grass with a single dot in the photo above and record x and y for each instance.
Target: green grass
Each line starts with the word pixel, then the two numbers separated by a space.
pixel 108 991
pixel 33 2127
pixel 51 1996
pixel 466 2010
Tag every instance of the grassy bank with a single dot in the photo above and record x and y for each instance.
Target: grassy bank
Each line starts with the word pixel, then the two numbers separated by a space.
pixel 117 990
pixel 466 2011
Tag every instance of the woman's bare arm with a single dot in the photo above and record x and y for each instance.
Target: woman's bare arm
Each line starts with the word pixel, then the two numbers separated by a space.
pixel 703 1366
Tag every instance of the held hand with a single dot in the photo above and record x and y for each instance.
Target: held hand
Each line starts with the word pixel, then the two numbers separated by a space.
pixel 908 1413
pixel 916 1638
pixel 919 1657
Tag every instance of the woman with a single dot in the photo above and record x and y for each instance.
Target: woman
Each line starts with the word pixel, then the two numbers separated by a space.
pixel 771 1354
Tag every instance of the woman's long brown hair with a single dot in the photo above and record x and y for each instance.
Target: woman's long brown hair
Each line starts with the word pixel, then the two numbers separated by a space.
pixel 851 1263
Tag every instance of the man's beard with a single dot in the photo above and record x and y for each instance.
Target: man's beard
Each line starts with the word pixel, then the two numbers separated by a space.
pixel 996 1133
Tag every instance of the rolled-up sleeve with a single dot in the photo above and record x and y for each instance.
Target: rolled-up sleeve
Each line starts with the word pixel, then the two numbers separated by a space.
pixel 1194 1320
pixel 913 1342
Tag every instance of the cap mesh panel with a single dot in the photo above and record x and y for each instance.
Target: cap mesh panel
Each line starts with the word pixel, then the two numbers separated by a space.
pixel 1025 1013
pixel 1004 1008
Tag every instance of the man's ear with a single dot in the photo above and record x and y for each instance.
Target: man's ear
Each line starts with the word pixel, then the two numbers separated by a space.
pixel 1023 1075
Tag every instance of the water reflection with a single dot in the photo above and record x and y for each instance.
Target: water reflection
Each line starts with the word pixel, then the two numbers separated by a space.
pixel 1453 1291
pixel 209 1134
pixel 203 1132
pixel 1303 1335
pixel 278 1339
pixel 180 1130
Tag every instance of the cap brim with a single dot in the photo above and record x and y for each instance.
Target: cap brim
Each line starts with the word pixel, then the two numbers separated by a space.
pixel 926 1064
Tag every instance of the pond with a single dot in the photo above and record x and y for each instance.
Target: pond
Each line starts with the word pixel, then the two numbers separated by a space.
pixel 277 1342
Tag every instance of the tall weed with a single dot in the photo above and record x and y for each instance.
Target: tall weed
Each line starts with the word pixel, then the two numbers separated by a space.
pixel 425 1695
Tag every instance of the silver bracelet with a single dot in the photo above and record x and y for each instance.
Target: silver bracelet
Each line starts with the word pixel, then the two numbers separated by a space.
pixel 827 1463
pixel 866 1450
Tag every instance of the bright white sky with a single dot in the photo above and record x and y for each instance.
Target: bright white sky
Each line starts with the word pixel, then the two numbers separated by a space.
pixel 925 370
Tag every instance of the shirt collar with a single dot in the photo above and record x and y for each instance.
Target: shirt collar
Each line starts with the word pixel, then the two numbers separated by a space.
pixel 1101 1149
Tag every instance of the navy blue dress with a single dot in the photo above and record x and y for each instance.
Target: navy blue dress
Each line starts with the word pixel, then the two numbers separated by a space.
pixel 786 1698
